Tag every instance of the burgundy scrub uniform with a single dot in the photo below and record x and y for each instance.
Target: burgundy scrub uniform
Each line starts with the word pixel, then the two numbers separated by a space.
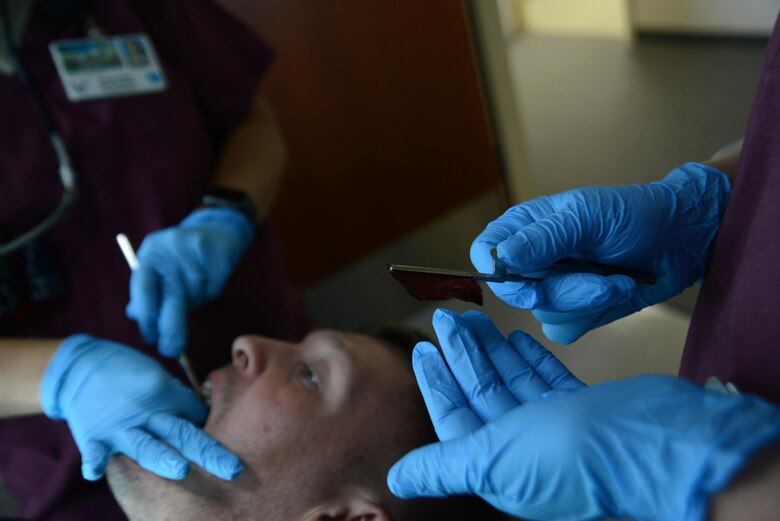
pixel 735 331
pixel 142 162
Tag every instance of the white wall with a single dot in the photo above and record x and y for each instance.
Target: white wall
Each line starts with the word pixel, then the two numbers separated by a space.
pixel 493 22
pixel 602 18
pixel 746 17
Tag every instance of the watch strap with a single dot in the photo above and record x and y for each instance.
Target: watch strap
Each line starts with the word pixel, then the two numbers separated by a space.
pixel 220 196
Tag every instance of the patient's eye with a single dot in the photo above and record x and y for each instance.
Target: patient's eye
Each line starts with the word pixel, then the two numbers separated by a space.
pixel 308 377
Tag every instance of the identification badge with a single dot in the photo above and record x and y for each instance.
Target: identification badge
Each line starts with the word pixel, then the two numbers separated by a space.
pixel 95 68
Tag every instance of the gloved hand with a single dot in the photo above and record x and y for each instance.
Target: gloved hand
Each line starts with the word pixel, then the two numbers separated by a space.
pixel 117 400
pixel 665 228
pixel 522 432
pixel 182 267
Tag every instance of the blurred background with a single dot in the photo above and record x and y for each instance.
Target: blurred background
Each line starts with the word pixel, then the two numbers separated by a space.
pixel 410 125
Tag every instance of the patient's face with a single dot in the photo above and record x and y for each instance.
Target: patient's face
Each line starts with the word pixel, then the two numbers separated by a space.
pixel 280 403
pixel 293 413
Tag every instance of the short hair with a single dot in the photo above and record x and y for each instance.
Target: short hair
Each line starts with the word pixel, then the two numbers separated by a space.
pixel 397 335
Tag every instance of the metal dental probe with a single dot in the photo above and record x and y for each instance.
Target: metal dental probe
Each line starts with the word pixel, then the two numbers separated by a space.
pixel 132 261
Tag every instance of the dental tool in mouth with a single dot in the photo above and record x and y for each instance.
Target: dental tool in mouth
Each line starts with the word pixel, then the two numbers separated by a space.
pixel 184 362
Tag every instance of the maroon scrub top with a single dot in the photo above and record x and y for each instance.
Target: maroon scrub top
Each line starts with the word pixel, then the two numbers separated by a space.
pixel 735 330
pixel 142 164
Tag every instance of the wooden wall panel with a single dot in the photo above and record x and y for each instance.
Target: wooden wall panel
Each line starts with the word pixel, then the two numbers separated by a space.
pixel 380 104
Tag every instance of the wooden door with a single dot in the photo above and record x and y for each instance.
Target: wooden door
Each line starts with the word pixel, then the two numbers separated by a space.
pixel 380 105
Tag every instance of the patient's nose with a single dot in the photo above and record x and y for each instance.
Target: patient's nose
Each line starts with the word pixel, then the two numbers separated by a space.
pixel 250 356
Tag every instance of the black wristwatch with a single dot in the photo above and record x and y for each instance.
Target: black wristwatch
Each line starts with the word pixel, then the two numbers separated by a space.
pixel 219 196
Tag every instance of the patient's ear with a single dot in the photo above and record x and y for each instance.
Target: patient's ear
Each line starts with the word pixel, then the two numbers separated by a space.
pixel 349 506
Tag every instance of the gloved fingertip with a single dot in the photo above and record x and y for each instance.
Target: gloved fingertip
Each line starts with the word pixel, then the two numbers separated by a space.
pixel 173 334
pixel 94 458
pixel 561 334
pixel 515 252
pixel 171 346
pixel 443 314
pixel 175 468
pixel 92 473
pixel 472 313
pixel 147 328
pixel 480 256
pixel 522 339
pixel 150 336
pixel 228 467
pixel 423 349
pixel 169 352
pixel 394 483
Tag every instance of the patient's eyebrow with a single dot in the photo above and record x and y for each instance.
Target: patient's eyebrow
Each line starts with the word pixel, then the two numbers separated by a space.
pixel 337 343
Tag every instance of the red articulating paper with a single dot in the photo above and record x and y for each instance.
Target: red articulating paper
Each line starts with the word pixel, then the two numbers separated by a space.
pixel 425 286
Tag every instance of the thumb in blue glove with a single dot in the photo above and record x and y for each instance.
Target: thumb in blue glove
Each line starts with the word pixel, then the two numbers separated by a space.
pixel 665 228
pixel 119 401
pixel 523 433
pixel 182 267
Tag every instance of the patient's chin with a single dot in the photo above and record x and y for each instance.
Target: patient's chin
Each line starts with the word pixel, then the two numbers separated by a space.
pixel 122 467
pixel 123 471
pixel 126 480
pixel 145 495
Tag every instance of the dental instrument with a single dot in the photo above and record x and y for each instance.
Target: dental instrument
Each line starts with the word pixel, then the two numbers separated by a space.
pixel 132 262
pixel 426 283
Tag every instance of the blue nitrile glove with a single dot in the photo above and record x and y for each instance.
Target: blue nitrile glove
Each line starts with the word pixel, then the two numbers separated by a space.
pixel 182 267
pixel 118 400
pixel 665 228
pixel 519 430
